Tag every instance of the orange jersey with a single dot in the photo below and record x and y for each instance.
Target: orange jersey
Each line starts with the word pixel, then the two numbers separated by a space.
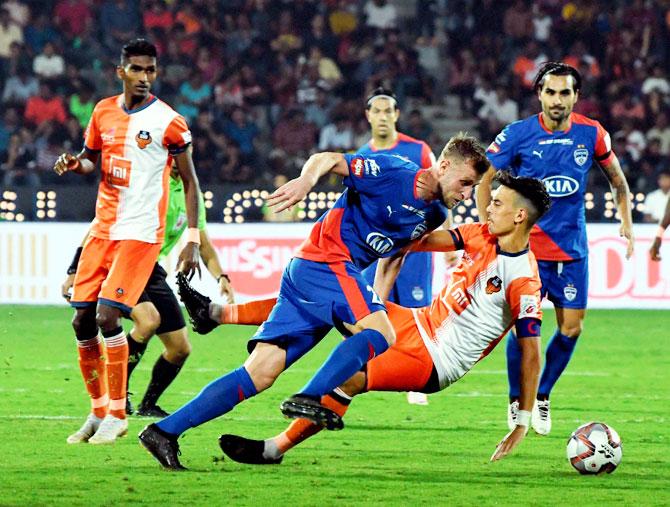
pixel 489 291
pixel 137 148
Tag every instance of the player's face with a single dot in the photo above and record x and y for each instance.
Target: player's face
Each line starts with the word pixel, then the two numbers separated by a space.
pixel 382 116
pixel 558 97
pixel 457 179
pixel 138 74
pixel 503 214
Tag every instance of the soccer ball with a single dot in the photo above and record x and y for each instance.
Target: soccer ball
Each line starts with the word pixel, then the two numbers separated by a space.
pixel 594 448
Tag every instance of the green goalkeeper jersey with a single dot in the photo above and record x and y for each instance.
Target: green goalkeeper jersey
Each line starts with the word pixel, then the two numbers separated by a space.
pixel 175 220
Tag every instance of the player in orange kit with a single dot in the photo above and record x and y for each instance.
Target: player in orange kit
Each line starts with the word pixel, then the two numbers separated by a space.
pixel 136 137
pixel 495 287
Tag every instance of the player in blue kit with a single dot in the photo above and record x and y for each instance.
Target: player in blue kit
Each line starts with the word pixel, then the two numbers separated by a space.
pixel 559 147
pixel 414 285
pixel 386 205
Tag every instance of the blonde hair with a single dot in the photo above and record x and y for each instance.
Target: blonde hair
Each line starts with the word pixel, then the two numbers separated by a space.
pixel 465 147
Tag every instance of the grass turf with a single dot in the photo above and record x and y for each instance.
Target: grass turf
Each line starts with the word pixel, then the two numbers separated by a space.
pixel 390 452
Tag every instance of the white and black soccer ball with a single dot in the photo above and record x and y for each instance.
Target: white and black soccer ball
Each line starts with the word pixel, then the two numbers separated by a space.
pixel 594 448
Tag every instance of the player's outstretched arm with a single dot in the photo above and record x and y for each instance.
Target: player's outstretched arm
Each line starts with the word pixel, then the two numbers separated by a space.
pixel 189 258
pixel 483 193
pixel 655 250
pixel 296 190
pixel 211 260
pixel 530 377
pixel 83 163
pixel 621 194
pixel 436 241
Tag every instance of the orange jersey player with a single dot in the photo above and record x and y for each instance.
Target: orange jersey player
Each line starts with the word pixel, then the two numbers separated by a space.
pixel 494 288
pixel 136 137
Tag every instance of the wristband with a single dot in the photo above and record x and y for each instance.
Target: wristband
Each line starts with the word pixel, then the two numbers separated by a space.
pixel 523 418
pixel 193 235
pixel 75 261
pixel 660 232
pixel 222 275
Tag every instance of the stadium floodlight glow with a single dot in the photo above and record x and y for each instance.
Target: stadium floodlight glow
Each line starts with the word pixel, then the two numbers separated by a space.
pixel 255 193
pixel 311 215
pixel 331 196
pixel 321 205
pixel 51 204
pixel 639 196
pixel 312 196
pixel 237 196
pixel 227 211
pixel 640 207
pixel 230 203
pixel 301 215
pixel 609 205
pixel 40 213
pixel 208 204
pixel 458 219
pixel 589 205
pixel 312 205
pixel 51 213
pixel 258 202
pixel 322 196
pixel 51 194
pixel 469 220
pixel 9 216
pixel 11 206
pixel 608 213
pixel 608 196
pixel 239 219
pixel 246 194
pixel 41 204
pixel 588 196
pixel 461 209
pixel 474 212
pixel 40 195
pixel 227 219
pixel 20 217
pixel 3 204
pixel 468 202
pixel 264 194
pixel 246 203
pixel 238 209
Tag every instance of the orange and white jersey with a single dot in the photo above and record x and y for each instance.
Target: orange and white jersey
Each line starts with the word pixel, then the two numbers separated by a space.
pixel 137 148
pixel 488 292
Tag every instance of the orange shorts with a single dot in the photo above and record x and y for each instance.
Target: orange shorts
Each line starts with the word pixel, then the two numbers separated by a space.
pixel 113 272
pixel 407 365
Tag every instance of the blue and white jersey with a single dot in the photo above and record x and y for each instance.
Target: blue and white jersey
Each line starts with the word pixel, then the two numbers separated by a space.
pixel 562 161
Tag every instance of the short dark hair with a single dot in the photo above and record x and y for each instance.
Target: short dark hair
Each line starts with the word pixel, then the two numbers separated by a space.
pixel 138 47
pixel 380 90
pixel 557 69
pixel 531 189
pixel 469 148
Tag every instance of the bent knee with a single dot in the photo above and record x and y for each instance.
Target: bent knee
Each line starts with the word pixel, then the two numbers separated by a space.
pixel 84 324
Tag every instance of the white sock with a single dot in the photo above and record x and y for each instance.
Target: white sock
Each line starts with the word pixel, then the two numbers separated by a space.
pixel 271 451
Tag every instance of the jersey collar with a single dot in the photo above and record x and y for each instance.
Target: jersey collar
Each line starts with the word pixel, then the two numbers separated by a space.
pixel 392 147
pixel 548 131
pixel 152 99
pixel 510 254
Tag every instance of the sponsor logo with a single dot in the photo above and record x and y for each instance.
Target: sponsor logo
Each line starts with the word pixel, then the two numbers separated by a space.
pixel 417 293
pixel 143 139
pixel 493 285
pixel 108 137
pixel 581 155
pixel 371 168
pixel 119 292
pixel 186 136
pixel 493 148
pixel 570 292
pixel 357 166
pixel 401 157
pixel 538 153
pixel 419 212
pixel 564 142
pixel 389 210
pixel 561 186
pixel 419 231
pixel 379 243
pixel 528 306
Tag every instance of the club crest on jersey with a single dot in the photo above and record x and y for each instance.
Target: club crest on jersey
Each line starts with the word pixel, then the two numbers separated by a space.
pixel 119 292
pixel 143 139
pixel 581 155
pixel 570 292
pixel 417 293
pixel 493 285
pixel 379 243
pixel 357 166
pixel 419 231
pixel 560 186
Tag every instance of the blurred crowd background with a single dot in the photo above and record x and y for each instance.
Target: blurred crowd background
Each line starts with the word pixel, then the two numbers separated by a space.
pixel 265 83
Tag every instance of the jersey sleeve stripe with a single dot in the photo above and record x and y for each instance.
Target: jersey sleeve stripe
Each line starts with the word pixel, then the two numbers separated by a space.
pixel 458 239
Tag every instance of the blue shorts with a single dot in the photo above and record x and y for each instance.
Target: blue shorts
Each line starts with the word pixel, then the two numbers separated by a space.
pixel 314 297
pixel 565 283
pixel 414 285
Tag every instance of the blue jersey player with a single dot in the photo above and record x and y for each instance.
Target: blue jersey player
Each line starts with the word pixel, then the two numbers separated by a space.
pixel 558 147
pixel 414 285
pixel 386 205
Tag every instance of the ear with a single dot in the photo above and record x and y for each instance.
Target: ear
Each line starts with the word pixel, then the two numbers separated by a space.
pixel 576 96
pixel 521 216
pixel 120 73
pixel 443 166
pixel 367 115
pixel 397 114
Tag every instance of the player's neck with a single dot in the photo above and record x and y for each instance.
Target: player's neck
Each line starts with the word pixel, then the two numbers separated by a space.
pixel 133 102
pixel 555 126
pixel 427 185
pixel 384 143
pixel 513 242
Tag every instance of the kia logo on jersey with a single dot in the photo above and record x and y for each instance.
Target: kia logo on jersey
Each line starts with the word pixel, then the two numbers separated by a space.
pixel 581 156
pixel 379 243
pixel 561 186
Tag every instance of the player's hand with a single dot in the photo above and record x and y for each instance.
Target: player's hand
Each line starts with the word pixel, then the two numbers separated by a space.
pixel 189 260
pixel 511 440
pixel 65 163
pixel 290 193
pixel 226 289
pixel 655 250
pixel 66 287
pixel 626 231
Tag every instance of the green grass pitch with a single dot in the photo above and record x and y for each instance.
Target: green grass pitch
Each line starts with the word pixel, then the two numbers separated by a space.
pixel 390 453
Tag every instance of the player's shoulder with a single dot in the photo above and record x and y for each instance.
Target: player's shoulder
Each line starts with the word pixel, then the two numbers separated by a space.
pixel 108 103
pixel 386 161
pixel 404 138
pixel 580 119
pixel 519 266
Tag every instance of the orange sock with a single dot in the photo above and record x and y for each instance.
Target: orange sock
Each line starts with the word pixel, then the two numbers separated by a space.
pixel 92 366
pixel 253 312
pixel 117 371
pixel 301 429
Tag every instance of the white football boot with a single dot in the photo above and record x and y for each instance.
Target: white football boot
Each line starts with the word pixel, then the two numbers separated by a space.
pixel 540 419
pixel 87 430
pixel 110 429
pixel 512 412
pixel 414 398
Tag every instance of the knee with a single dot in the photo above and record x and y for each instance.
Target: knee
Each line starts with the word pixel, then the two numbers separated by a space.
pixel 107 318
pixel 263 378
pixel 572 329
pixel 146 320
pixel 84 325
pixel 178 353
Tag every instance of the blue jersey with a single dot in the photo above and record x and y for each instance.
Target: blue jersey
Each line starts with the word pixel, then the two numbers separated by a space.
pixel 562 161
pixel 414 286
pixel 378 214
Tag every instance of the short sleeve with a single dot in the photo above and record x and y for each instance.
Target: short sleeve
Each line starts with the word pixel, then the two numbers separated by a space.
pixel 603 149
pixel 524 299
pixel 466 234
pixel 502 150
pixel 177 136
pixel 92 139
pixel 367 173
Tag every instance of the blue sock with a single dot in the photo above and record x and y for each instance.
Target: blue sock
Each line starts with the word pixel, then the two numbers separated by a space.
pixel 557 356
pixel 217 398
pixel 345 360
pixel 513 366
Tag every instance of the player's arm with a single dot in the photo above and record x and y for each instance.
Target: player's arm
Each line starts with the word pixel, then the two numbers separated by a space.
pixel 296 190
pixel 483 193
pixel 621 193
pixel 66 286
pixel 386 274
pixel 438 241
pixel 83 163
pixel 211 260
pixel 189 257
pixel 655 249
pixel 528 336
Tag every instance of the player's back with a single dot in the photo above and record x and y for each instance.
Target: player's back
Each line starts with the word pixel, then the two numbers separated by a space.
pixel 488 290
